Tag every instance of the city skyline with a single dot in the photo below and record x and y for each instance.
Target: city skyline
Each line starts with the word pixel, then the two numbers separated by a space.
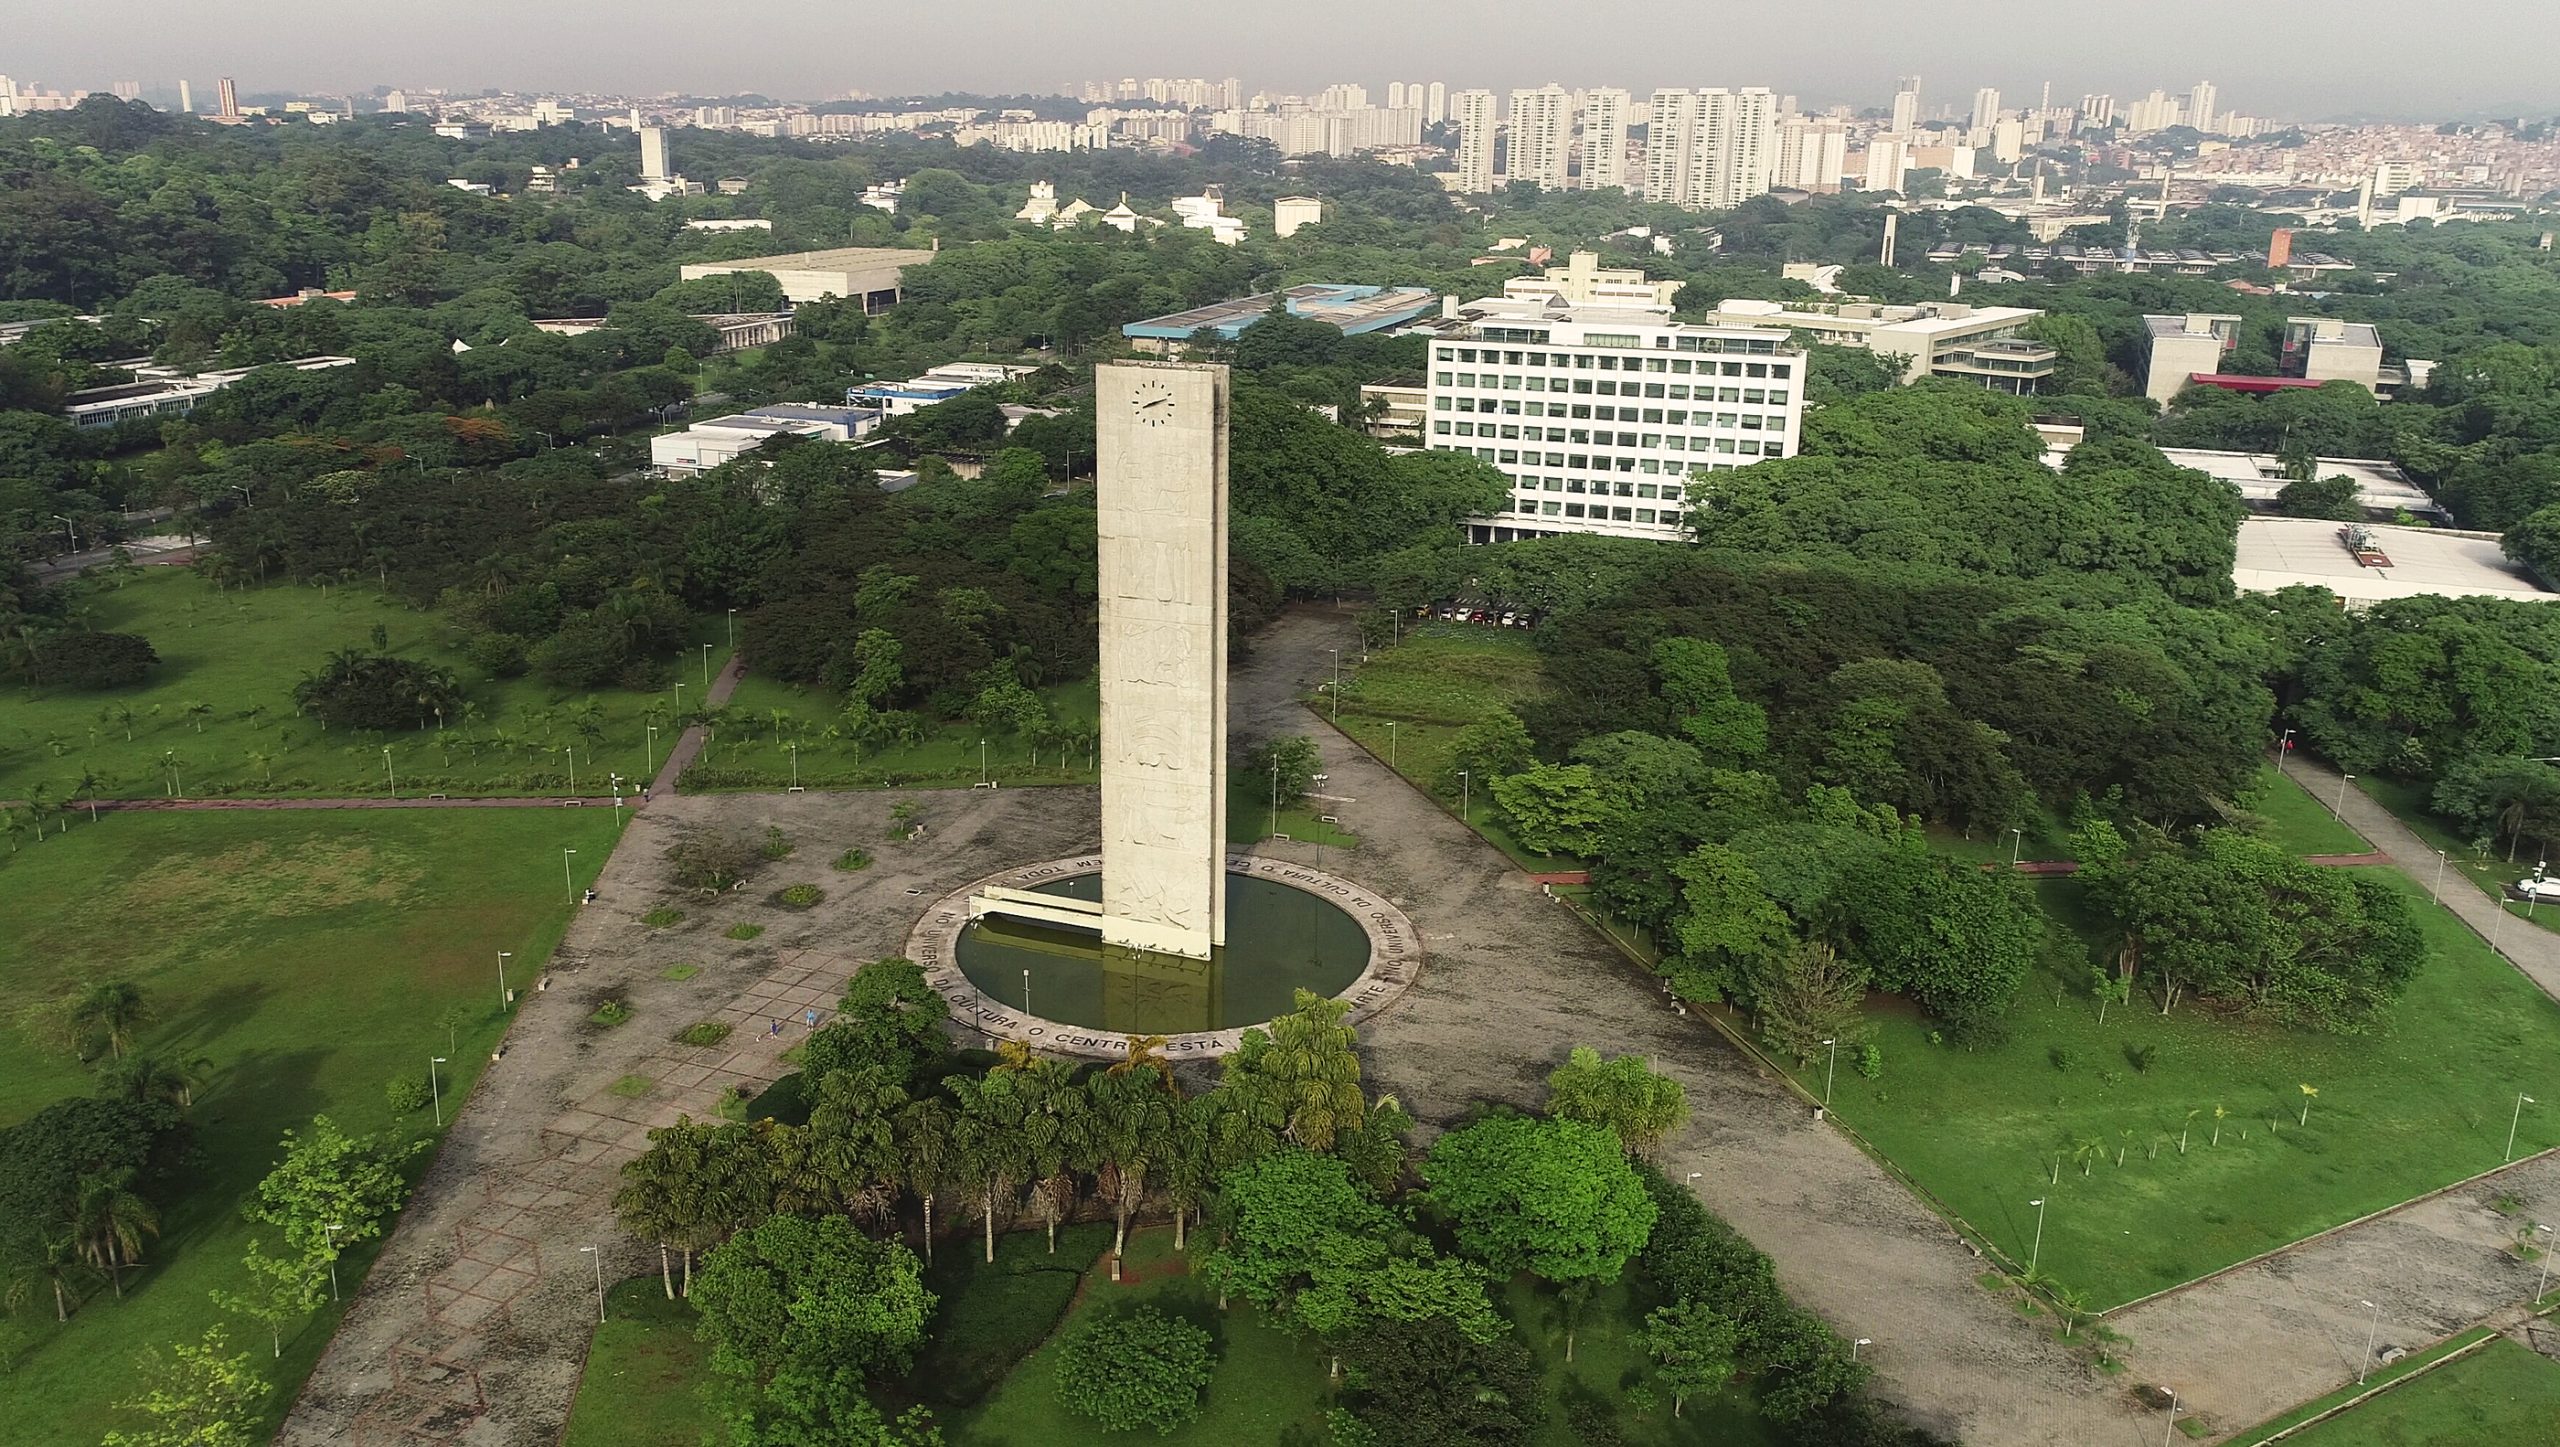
pixel 1828 52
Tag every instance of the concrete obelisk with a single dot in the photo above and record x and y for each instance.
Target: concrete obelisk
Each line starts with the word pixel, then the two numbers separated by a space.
pixel 1161 506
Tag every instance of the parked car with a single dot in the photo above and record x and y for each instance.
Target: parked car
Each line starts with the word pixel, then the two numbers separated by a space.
pixel 2545 890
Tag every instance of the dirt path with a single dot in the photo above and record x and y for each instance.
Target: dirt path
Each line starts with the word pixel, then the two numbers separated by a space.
pixel 472 1326
pixel 1513 982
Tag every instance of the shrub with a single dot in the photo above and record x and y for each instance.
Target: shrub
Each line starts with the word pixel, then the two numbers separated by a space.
pixel 662 917
pixel 776 845
pixel 2141 1056
pixel 679 972
pixel 744 931
pixel 611 1012
pixel 799 896
pixel 1135 1369
pixel 501 654
pixel 88 660
pixel 710 862
pixel 407 1093
pixel 706 1032
pixel 377 691
pixel 853 859
pixel 1869 1061
pixel 2061 1056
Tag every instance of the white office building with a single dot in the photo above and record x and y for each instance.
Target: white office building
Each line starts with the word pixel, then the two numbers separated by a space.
pixel 1671 133
pixel 1710 150
pixel 1473 111
pixel 1986 110
pixel 1906 106
pixel 1812 154
pixel 1605 113
pixel 1435 103
pixel 1602 411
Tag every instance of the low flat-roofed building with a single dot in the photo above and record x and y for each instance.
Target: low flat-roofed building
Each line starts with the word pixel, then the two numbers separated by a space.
pixel 870 274
pixel 2327 349
pixel 158 390
pixel 709 443
pixel 1353 310
pixel 2280 552
pixel 2259 476
pixel 1983 344
pixel 1401 408
pixel 737 330
pixel 2185 346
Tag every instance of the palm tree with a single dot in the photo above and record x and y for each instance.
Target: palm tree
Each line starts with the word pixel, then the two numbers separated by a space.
pixel 648 1206
pixel 1144 1053
pixel 988 1152
pixel 924 1153
pixel 198 710
pixel 109 1220
pixel 1058 1136
pixel 853 1139
pixel 266 763
pixel 149 1079
pixel 56 1264
pixel 1132 1127
pixel 111 1012
pixel 119 715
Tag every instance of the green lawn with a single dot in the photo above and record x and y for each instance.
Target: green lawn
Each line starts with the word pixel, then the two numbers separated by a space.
pixel 2503 1394
pixel 241 651
pixel 2488 870
pixel 2422 1101
pixel 1408 704
pixel 648 1364
pixel 1608 1358
pixel 2297 822
pixel 951 755
pixel 309 957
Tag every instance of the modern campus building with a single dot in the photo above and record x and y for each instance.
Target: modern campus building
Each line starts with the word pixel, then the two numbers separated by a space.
pixel 868 273
pixel 2316 350
pixel 1600 408
pixel 162 391
pixel 1934 339
pixel 708 444
pixel 1353 310
pixel 2184 347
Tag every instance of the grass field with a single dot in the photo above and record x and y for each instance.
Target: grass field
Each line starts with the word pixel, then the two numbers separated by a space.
pixel 2422 1101
pixel 996 1325
pixel 240 653
pixel 1408 704
pixel 949 756
pixel 309 957
pixel 2502 1394
pixel 647 1362
pixel 2297 822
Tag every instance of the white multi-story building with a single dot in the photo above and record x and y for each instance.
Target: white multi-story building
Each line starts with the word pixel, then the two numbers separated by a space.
pixel 2097 110
pixel 1604 138
pixel 2202 110
pixel 1473 111
pixel 1812 154
pixel 1541 135
pixel 1435 103
pixel 1710 149
pixel 1986 109
pixel 1671 133
pixel 1906 106
pixel 1602 412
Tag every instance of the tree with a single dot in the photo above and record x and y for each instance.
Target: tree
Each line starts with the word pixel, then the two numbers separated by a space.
pixel 1283 1217
pixel 695 1185
pixel 51 1262
pixel 1133 1369
pixel 889 1017
pixel 1554 807
pixel 1491 747
pixel 1551 1196
pixel 799 1314
pixel 1692 1349
pixel 1623 1096
pixel 377 691
pixel 1304 1066
pixel 1425 1383
pixel 1812 998
pixel 1726 925
pixel 1697 682
pixel 2336 498
pixel 197 1396
pixel 1285 767
pixel 331 1188
pixel 2534 541
pixel 1132 1129
pixel 107 1014
pixel 282 1289
pixel 108 1221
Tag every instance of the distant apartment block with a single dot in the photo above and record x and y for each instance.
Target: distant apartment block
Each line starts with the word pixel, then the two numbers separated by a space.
pixel 1353 310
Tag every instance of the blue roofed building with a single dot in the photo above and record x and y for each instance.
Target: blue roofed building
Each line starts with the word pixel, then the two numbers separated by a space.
pixel 1352 309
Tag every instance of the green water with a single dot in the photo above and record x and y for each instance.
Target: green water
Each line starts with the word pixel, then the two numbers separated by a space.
pixel 1279 941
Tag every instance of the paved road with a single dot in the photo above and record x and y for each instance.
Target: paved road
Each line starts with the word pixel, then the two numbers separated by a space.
pixel 1513 981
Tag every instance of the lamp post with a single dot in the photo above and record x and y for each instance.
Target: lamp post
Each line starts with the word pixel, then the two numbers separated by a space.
pixel 333 1228
pixel 2437 889
pixel 1337 683
pixel 599 1259
pixel 1466 798
pixel 503 957
pixel 2533 896
pixel 733 627
pixel 2365 1364
pixel 617 799
pixel 572 751
pixel 1275 795
pixel 391 780
pixel 2284 746
pixel 1864 1341
pixel 1830 1071
pixel 679 698
pixel 649 747
pixel 2171 1435
pixel 1391 743
pixel 1026 992
pixel 566 878
pixel 2340 808
pixel 795 763
pixel 2543 1280
pixel 436 1087
pixel 982 761
pixel 706 668
pixel 2017 846
pixel 2035 1253
pixel 2522 1100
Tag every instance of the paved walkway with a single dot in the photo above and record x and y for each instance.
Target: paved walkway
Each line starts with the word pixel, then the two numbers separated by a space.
pixel 1512 981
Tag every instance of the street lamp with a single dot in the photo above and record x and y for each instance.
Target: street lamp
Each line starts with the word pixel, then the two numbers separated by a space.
pixel 2437 889
pixel 436 1088
pixel 67 528
pixel 2035 1253
pixel 1275 794
pixel 1830 1071
pixel 503 957
pixel 2545 1279
pixel 565 877
pixel 2171 1435
pixel 649 747
pixel 1026 992
pixel 599 1258
pixel 1864 1341
pixel 2284 746
pixel 333 1228
pixel 733 627
pixel 982 761
pixel 1695 1177
pixel 2340 808
pixel 2017 846
pixel 795 763
pixel 1466 798
pixel 572 751
pixel 391 778
pixel 706 665
pixel 617 799
pixel 1391 743
pixel 1337 683
pixel 2522 1100
pixel 2370 1333
pixel 679 698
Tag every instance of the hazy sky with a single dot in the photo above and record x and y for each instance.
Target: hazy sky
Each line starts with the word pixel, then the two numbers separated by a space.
pixel 2295 59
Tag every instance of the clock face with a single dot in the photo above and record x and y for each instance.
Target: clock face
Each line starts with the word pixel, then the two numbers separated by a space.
pixel 1152 404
